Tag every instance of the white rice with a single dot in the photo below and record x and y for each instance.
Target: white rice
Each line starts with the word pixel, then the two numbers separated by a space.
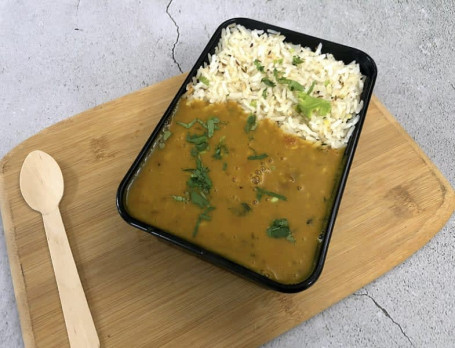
pixel 233 76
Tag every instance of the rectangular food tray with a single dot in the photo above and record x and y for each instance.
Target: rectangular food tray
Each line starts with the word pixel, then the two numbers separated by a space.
pixel 340 52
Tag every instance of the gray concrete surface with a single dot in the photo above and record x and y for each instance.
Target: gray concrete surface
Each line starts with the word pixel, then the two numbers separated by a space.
pixel 58 58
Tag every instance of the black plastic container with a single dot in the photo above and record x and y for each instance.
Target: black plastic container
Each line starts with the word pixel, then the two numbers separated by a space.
pixel 340 52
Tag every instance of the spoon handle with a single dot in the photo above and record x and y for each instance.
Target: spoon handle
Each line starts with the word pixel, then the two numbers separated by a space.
pixel 79 322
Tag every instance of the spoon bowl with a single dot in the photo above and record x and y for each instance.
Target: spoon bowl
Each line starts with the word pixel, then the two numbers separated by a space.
pixel 41 182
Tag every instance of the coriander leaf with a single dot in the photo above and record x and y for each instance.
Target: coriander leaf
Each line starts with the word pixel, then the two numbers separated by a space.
pixel 210 127
pixel 209 209
pixel 268 82
pixel 258 157
pixel 250 123
pixel 264 93
pixel 245 207
pixel 203 216
pixel 279 228
pixel 258 65
pixel 307 105
pixel 198 199
pixel 202 123
pixel 166 135
pixel 253 103
pixel 220 149
pixel 282 80
pixel 204 80
pixel 293 85
pixel 290 238
pixel 202 147
pixel 196 138
pixel 196 227
pixel 194 152
pixel 217 155
pixel 199 177
pixel 241 210
pixel 200 142
pixel 311 88
pixel 278 61
pixel 261 192
pixel 179 198
pixel 296 60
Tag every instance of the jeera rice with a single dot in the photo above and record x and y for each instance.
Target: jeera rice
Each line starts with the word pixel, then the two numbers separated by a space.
pixel 307 93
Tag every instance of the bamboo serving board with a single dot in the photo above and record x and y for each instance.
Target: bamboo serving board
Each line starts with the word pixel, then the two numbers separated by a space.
pixel 145 293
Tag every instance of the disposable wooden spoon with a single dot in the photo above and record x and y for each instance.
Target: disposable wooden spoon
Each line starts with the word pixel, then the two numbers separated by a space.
pixel 41 183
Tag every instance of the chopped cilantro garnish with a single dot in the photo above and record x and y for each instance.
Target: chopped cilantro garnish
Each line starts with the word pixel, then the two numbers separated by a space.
pixel 258 65
pixel 199 177
pixel 205 216
pixel 194 152
pixel 201 147
pixel 180 198
pixel 202 123
pixel 295 86
pixel 258 157
pixel 166 135
pixel 264 93
pixel 199 182
pixel 292 84
pixel 241 210
pixel 311 88
pixel 245 207
pixel 220 149
pixel 196 227
pixel 268 82
pixel 307 105
pixel 296 60
pixel 253 103
pixel 326 82
pixel 202 216
pixel 199 199
pixel 162 139
pixel 279 228
pixel 210 127
pixel 197 139
pixel 204 80
pixel 278 61
pixel 261 192
pixel 250 123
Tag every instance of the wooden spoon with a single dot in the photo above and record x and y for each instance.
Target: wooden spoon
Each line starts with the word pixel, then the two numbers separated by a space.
pixel 41 183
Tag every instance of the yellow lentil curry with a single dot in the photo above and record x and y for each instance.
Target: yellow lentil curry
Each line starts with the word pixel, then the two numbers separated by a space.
pixel 239 187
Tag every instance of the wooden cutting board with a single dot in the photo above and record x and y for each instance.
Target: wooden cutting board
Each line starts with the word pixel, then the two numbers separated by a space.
pixel 145 293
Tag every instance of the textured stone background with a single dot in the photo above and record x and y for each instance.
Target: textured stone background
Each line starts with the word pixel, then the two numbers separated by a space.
pixel 59 58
